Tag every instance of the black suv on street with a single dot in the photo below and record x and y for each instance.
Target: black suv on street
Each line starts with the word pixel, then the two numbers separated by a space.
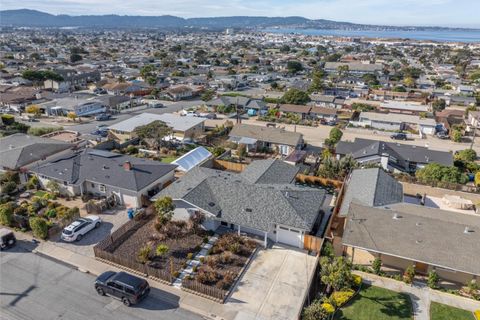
pixel 122 286
pixel 399 136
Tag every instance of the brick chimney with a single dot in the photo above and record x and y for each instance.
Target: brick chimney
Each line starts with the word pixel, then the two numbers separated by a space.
pixel 127 166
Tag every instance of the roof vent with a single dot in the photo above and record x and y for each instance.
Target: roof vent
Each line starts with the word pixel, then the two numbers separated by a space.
pixel 248 209
pixel 11 146
pixel 211 204
pixel 467 230
pixel 418 241
pixel 418 224
pixel 396 216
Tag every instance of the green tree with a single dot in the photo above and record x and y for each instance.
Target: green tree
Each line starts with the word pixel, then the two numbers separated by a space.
pixel 335 135
pixel 39 227
pixel 208 95
pixel 164 207
pixel 467 155
pixel 294 66
pixel 438 105
pixel 317 81
pixel 154 132
pixel 295 96
pixel 336 273
pixel 434 172
pixel 8 187
pixel 457 135
pixel 33 109
pixel 75 57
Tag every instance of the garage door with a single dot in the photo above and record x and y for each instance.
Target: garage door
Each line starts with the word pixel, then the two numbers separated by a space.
pixel 130 201
pixel 289 236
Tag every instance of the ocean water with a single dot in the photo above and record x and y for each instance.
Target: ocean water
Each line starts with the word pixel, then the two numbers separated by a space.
pixel 467 36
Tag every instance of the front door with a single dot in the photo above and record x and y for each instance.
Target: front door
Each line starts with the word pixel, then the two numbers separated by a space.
pixel 421 268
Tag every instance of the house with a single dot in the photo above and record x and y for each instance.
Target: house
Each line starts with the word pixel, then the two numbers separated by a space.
pixel 19 151
pixel 328 101
pixel 403 234
pixel 473 120
pixel 301 111
pixel 183 128
pixel 274 139
pixel 327 114
pixel 80 106
pixel 127 88
pixel 241 102
pixel 450 117
pixel 395 122
pixel 115 102
pixel 262 200
pixel 72 80
pixel 354 68
pixel 103 173
pixel 179 92
pixel 403 107
pixel 392 156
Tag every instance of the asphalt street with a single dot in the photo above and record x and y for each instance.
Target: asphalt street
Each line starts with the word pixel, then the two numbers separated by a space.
pixel 34 287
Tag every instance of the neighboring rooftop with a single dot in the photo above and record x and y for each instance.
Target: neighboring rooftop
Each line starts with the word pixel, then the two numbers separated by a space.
pixel 437 237
pixel 372 187
pixel 272 135
pixel 18 150
pixel 105 168
pixel 176 122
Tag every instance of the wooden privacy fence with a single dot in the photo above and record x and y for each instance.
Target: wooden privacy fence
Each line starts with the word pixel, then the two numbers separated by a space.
pixel 302 178
pixel 312 243
pixel 207 291
pixel 228 165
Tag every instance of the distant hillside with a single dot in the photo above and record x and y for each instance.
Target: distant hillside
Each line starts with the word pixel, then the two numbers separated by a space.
pixel 33 18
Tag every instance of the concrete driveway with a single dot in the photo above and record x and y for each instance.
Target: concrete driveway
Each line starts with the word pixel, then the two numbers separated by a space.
pixel 274 285
pixel 111 221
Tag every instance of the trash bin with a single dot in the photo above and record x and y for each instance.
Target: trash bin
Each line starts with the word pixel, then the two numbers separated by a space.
pixel 130 213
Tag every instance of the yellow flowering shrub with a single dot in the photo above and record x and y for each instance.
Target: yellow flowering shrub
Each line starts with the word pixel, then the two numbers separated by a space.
pixel 328 307
pixel 339 298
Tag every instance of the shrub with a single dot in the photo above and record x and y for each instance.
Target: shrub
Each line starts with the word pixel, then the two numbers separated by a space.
pixel 6 214
pixel 164 207
pixel 39 227
pixel 53 186
pixel 409 274
pixel 202 259
pixel 328 308
pixel 377 265
pixel 234 247
pixel 357 280
pixel 212 261
pixel 477 314
pixel 143 255
pixel 8 119
pixel 161 250
pixel 190 256
pixel 226 257
pixel 433 279
pixel 40 131
pixel 195 268
pixel 176 274
pixel 9 187
pixel 207 275
pixel 32 183
pixel 327 249
pixel 339 298
pixel 51 214
pixel 315 311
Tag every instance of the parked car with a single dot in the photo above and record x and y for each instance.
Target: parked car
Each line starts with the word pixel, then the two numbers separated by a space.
pixel 399 136
pixel 80 227
pixel 122 286
pixel 7 238
pixel 331 123
pixel 157 105
pixel 443 135
pixel 102 132
pixel 103 117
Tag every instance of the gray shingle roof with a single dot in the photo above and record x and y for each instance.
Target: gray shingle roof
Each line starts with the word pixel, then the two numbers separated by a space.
pixel 270 171
pixel 272 135
pixel 428 235
pixel 234 198
pixel 405 153
pixel 19 149
pixel 105 168
pixel 371 187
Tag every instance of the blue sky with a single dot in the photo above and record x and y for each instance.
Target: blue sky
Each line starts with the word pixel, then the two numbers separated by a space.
pixel 458 13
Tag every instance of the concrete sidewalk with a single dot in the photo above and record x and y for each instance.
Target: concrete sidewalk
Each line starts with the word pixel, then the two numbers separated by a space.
pixel 204 307
pixel 420 294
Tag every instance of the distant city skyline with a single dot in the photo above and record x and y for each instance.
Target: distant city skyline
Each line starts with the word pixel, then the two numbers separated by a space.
pixel 448 13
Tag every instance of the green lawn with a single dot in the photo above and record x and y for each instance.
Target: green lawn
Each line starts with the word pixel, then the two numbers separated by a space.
pixel 168 159
pixel 377 303
pixel 439 311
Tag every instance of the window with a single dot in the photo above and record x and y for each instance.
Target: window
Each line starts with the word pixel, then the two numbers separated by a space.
pixel 129 290
pixel 115 286
pixel 283 228
pixel 64 183
pixel 102 188
pixel 93 185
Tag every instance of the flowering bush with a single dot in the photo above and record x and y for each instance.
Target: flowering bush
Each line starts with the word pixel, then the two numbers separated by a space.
pixel 339 298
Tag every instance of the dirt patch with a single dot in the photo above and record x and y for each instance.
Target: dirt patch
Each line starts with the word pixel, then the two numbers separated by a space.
pixel 179 246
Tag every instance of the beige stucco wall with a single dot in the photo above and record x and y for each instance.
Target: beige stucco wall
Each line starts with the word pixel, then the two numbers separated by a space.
pixel 413 189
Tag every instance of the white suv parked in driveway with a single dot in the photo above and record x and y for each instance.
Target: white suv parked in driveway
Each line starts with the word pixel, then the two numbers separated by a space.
pixel 77 229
